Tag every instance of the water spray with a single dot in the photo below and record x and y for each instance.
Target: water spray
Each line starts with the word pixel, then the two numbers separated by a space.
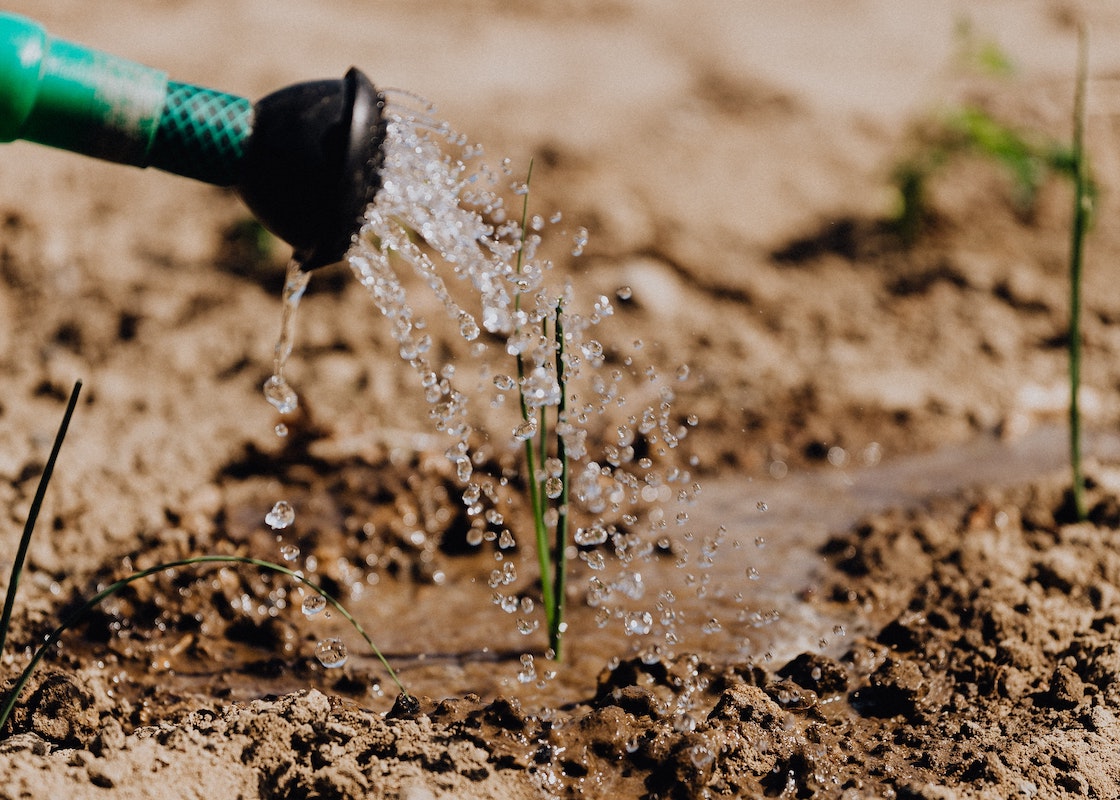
pixel 305 159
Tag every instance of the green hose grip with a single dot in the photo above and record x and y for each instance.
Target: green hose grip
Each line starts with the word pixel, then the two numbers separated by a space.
pixel 202 133
pixel 65 95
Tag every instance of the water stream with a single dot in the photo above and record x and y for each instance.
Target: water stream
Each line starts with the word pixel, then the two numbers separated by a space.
pixel 682 568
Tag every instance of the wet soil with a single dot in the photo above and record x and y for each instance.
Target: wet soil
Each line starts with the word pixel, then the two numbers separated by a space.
pixel 879 590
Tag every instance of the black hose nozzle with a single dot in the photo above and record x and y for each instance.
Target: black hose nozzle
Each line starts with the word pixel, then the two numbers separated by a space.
pixel 312 163
pixel 306 159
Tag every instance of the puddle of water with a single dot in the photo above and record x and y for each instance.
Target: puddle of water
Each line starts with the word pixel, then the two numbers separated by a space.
pixel 451 639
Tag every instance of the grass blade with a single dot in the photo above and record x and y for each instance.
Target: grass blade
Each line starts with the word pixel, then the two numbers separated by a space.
pixel 33 516
pixel 110 590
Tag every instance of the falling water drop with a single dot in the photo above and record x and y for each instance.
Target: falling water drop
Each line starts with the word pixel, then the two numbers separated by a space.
pixel 638 623
pixel 594 534
pixel 526 430
pixel 468 328
pixel 313 604
pixel 331 653
pixel 282 396
pixel 281 516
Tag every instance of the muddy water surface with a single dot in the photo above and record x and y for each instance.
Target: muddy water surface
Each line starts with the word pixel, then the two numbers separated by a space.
pixel 451 639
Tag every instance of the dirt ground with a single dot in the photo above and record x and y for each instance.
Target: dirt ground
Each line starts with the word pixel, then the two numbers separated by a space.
pixel 880 590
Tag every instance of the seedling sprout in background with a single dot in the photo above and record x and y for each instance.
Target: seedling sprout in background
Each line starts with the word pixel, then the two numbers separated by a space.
pixel 1030 160
pixel 1082 213
pixel 330 652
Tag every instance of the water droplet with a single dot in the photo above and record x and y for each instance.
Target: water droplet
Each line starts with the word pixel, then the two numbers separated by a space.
pixel 528 672
pixel 594 560
pixel 331 653
pixel 630 584
pixel 592 535
pixel 289 552
pixel 313 604
pixel 281 430
pixel 468 328
pixel 713 625
pixel 506 541
pixel 526 430
pixel 761 506
pixel 282 396
pixel 683 371
pixel 504 382
pixel 281 516
pixel 637 623
pixel 579 242
pixel 624 293
pixel 753 574
pixel 526 627
pixel 701 756
pixel 554 487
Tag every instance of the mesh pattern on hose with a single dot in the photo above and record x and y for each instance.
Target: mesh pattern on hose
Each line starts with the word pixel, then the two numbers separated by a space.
pixel 202 134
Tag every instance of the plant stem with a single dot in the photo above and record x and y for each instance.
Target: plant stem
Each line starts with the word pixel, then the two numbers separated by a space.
pixel 1081 209
pixel 33 516
pixel 535 454
pixel 110 590
pixel 560 556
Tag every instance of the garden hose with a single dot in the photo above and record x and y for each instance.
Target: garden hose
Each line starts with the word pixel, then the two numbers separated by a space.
pixel 305 159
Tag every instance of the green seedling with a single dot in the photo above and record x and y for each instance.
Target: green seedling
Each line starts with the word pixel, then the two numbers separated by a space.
pixel 1028 160
pixel 548 492
pixel 975 52
pixel 112 589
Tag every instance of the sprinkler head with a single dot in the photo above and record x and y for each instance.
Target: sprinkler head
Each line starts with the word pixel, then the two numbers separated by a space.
pixel 312 163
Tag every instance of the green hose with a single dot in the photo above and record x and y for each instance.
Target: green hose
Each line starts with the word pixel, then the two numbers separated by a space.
pixel 65 95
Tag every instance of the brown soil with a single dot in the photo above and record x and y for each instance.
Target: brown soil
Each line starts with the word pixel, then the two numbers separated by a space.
pixel 878 435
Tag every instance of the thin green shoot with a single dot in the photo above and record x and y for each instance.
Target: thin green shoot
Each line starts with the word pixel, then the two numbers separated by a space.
pixel 535 488
pixel 115 587
pixel 33 516
pixel 560 556
pixel 551 558
pixel 974 52
pixel 1082 210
